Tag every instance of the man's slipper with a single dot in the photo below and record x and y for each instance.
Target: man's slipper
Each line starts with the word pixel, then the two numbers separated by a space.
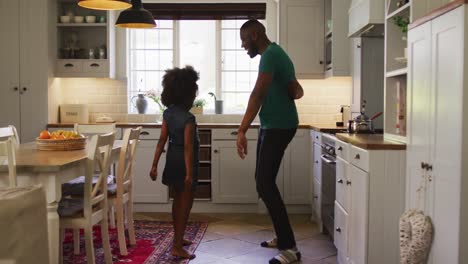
pixel 273 243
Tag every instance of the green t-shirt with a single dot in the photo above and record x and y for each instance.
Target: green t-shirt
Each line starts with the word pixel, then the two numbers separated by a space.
pixel 278 109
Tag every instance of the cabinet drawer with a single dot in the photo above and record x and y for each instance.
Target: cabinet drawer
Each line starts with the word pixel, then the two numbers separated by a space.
pixel 359 157
pixel 317 137
pixel 101 66
pixel 150 133
pixel 69 66
pixel 342 183
pixel 342 149
pixel 341 230
pixel 222 134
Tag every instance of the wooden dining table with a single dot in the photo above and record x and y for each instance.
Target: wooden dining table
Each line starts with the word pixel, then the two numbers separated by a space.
pixel 50 169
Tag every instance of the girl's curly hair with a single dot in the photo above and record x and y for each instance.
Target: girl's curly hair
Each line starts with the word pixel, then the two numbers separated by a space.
pixel 179 87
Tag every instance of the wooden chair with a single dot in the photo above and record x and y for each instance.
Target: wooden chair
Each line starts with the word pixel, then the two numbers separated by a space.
pixel 16 139
pixel 83 213
pixel 123 197
pixel 7 153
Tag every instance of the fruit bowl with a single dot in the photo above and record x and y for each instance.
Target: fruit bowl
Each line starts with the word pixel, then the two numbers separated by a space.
pixel 61 144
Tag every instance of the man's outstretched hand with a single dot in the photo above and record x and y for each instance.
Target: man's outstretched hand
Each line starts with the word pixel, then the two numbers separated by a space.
pixel 241 145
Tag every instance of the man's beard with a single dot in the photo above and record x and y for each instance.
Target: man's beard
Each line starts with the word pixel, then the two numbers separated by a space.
pixel 253 51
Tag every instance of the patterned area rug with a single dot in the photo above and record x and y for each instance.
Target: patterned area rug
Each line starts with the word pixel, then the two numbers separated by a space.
pixel 154 242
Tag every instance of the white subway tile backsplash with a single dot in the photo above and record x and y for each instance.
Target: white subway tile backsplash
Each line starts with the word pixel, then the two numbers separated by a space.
pixel 320 104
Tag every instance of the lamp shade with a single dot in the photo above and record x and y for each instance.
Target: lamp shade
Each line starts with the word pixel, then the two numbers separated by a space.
pixel 105 4
pixel 136 17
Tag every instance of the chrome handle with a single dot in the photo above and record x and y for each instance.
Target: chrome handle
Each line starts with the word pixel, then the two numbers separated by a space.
pixel 423 165
pixel 348 182
pixel 428 167
pixel 25 89
pixel 234 133
pixel 340 148
pixel 357 156
pixel 327 160
pixel 315 196
pixel 68 65
pixel 340 181
pixel 316 161
pixel 215 151
pixel 338 230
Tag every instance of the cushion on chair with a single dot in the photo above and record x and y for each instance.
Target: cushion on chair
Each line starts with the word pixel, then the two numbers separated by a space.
pixel 75 187
pixel 70 206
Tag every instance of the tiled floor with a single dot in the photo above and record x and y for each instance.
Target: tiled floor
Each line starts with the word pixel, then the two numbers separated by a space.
pixel 235 239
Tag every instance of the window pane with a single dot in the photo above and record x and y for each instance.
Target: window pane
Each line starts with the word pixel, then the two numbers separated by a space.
pixel 161 24
pixel 228 24
pixel 165 39
pixel 230 39
pixel 235 102
pixel 198 49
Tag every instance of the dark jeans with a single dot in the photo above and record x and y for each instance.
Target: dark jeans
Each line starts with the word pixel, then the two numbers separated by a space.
pixel 270 150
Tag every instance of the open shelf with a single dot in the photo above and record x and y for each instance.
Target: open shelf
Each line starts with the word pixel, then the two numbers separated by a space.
pixel 400 10
pixel 398 72
pixel 81 25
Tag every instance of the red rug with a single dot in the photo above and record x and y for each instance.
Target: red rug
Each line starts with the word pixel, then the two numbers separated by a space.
pixel 154 242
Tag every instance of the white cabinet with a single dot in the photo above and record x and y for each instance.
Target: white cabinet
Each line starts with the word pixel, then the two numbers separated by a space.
pixel 369 201
pixel 316 149
pixel 144 189
pixel 233 178
pixel 336 38
pixel 437 158
pixel 24 67
pixel 301 31
pixel 363 14
pixel 296 181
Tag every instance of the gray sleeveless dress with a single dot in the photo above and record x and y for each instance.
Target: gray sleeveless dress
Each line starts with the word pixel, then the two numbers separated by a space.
pixel 174 172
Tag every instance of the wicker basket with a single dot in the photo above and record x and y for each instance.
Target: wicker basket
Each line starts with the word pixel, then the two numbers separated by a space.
pixel 61 144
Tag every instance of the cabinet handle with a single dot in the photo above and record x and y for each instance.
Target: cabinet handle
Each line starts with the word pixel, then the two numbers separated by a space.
pixel 320 62
pixel 215 151
pixel 428 167
pixel 338 230
pixel 25 89
pixel 423 165
pixel 348 182
pixel 340 181
pixel 15 88
pixel 358 46
pixel 316 162
pixel 94 65
pixel 144 133
pixel 316 137
pixel 357 156
pixel 164 151
pixel 68 65
pixel 340 148
pixel 234 133
pixel 315 197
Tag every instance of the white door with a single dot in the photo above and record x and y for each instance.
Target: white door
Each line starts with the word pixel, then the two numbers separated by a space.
pixel 233 178
pixel 297 178
pixel 301 35
pixel 342 183
pixel 358 215
pixel 446 148
pixel 9 64
pixel 34 67
pixel 144 189
pixel 317 163
pixel 419 117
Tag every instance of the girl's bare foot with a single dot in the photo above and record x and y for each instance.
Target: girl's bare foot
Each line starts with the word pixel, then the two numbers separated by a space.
pixel 181 253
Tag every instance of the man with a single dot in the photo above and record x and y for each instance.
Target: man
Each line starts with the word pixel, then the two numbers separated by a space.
pixel 274 92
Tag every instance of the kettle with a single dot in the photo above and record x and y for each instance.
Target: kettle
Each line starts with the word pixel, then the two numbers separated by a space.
pixel 362 123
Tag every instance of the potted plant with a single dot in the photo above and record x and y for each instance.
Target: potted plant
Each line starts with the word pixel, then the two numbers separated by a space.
pixel 197 108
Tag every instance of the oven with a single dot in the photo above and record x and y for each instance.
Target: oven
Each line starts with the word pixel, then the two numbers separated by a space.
pixel 328 157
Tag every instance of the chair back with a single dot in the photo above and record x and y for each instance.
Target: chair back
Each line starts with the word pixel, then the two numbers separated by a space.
pixel 94 129
pixel 16 139
pixel 99 156
pixel 126 160
pixel 7 152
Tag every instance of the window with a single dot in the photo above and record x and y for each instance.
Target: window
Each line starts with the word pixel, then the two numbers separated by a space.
pixel 212 47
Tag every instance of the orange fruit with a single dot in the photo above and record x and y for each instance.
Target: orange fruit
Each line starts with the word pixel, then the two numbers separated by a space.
pixel 44 134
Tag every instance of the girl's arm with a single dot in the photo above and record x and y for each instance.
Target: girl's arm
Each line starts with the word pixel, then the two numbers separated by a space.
pixel 188 153
pixel 159 150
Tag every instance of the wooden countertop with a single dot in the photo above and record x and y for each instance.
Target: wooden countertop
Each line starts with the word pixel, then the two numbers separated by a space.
pixel 370 141
pixel 200 125
pixel 437 12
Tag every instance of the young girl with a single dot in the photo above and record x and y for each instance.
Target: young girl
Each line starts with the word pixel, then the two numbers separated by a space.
pixel 181 170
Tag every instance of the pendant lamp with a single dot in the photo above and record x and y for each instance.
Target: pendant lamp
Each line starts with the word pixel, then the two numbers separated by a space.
pixel 136 17
pixel 105 4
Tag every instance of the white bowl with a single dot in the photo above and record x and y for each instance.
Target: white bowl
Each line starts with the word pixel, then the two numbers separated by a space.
pixel 79 19
pixel 65 19
pixel 90 19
